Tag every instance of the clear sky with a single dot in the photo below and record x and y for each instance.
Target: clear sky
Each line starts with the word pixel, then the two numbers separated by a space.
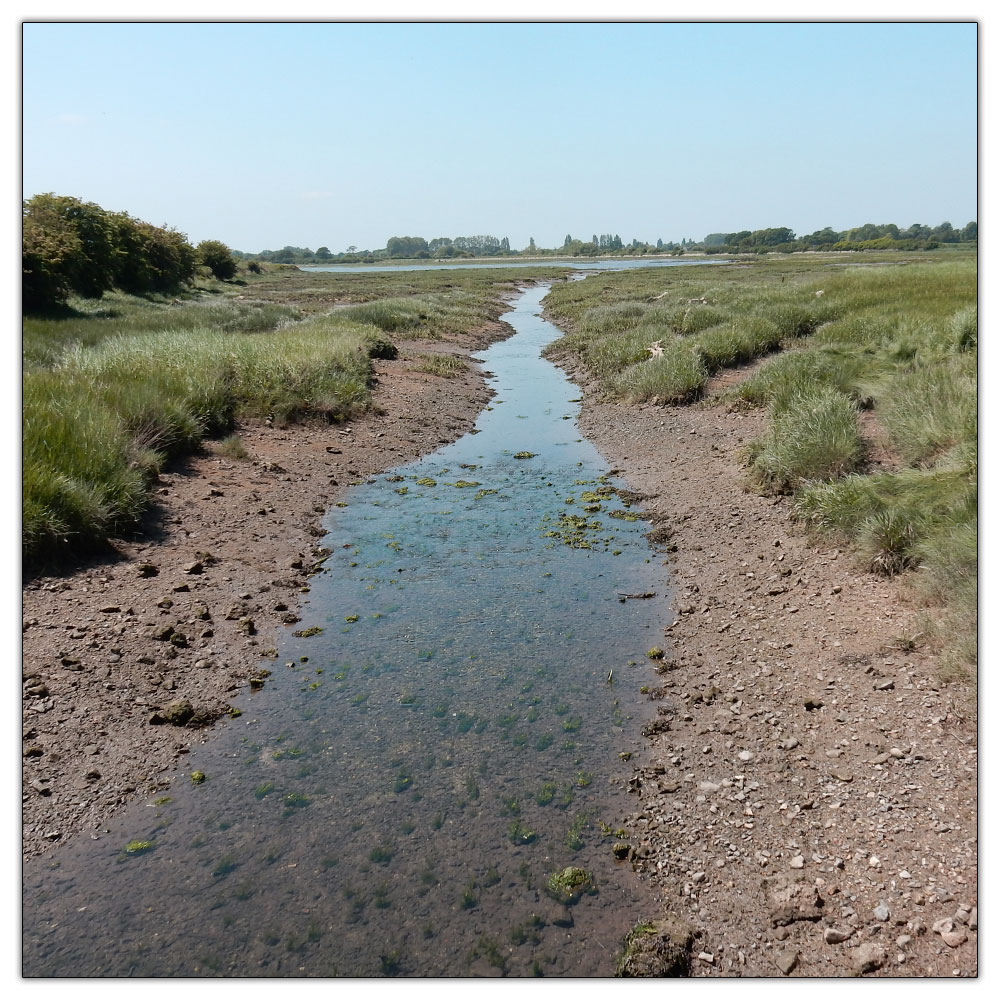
pixel 263 135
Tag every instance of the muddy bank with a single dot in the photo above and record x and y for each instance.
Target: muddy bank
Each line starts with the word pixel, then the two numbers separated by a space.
pixel 811 805
pixel 130 660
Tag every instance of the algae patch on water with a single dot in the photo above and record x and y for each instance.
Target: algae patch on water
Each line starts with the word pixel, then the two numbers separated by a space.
pixel 570 884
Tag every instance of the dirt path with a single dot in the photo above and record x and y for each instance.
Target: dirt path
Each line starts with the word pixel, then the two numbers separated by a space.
pixel 176 622
pixel 811 806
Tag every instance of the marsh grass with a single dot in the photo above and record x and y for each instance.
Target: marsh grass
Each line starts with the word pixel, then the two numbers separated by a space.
pixel 896 338
pixel 115 387
pixel 443 365
pixel 815 437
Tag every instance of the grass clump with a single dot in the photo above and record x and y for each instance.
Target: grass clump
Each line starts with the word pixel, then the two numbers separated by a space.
pixel 816 437
pixel 443 365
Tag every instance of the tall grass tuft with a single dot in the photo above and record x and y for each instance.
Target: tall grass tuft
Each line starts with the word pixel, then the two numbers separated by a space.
pixel 815 437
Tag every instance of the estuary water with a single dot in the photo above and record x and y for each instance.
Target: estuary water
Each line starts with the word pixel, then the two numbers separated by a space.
pixel 446 728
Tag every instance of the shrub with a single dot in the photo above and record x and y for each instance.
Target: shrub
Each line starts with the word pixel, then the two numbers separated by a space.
pixel 218 258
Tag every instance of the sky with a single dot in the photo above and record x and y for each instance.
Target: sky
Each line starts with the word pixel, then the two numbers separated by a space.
pixel 264 135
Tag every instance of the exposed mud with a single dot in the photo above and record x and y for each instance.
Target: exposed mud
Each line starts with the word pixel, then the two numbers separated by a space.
pixel 185 612
pixel 813 806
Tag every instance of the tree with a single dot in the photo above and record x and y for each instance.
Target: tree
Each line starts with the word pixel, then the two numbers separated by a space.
pixel 218 258
pixel 323 253
pixel 531 248
pixel 405 246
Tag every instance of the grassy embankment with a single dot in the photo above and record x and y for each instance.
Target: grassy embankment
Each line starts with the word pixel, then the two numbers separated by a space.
pixel 115 387
pixel 896 341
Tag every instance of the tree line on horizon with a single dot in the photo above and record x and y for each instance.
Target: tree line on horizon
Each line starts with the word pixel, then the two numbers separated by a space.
pixel 779 239
pixel 72 247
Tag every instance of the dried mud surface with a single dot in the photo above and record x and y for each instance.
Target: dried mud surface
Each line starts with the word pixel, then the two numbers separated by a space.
pixel 810 802
pixel 186 611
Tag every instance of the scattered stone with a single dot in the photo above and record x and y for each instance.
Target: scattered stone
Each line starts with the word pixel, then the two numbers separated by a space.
pixel 837 935
pixel 869 957
pixel 786 961
pixel 881 912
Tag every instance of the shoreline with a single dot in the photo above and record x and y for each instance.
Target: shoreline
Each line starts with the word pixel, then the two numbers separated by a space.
pixel 173 623
pixel 811 804
pixel 765 823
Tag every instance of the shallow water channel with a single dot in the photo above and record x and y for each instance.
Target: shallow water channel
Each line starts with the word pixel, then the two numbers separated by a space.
pixel 395 798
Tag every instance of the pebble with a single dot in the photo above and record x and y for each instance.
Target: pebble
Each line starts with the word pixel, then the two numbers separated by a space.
pixel 786 961
pixel 869 957
pixel 835 935
pixel 881 912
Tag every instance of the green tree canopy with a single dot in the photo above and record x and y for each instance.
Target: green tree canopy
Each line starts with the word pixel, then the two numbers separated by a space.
pixel 218 258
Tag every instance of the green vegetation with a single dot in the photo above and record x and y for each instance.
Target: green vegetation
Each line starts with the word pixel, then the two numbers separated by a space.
pixel 868 375
pixel 116 385
pixel 569 884
pixel 444 365
pixel 71 247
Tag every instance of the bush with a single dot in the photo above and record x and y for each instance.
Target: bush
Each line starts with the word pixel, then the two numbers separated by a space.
pixel 218 258
pixel 74 247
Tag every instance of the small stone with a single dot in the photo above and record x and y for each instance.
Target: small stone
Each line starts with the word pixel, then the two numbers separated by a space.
pixel 974 918
pixel 41 785
pixel 812 704
pixel 886 685
pixel 786 961
pixel 954 938
pixel 869 957
pixel 195 567
pixel 797 862
pixel 835 935
pixel 903 940
pixel 746 756
pixel 790 744
pixel 881 912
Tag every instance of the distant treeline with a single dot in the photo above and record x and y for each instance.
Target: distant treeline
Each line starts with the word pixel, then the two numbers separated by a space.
pixel 72 247
pixel 777 240
pixel 867 237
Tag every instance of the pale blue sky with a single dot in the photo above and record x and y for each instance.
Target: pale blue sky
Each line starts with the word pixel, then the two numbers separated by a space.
pixel 263 135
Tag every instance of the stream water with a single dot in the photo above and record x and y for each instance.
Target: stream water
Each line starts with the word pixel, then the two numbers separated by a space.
pixel 448 734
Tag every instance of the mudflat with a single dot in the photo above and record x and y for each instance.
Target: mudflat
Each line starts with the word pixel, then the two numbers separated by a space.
pixel 808 804
pixel 811 805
